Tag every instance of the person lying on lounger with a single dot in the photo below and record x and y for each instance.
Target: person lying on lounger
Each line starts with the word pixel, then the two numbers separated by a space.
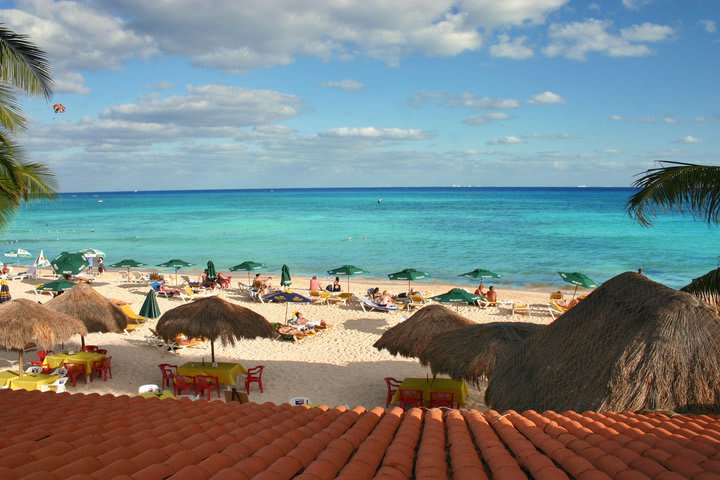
pixel 302 322
pixel 385 300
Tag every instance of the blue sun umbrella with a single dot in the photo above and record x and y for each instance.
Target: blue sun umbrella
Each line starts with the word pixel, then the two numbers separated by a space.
pixel 286 297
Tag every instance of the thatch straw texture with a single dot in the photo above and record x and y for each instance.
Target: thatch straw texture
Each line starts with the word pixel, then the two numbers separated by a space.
pixel 706 288
pixel 213 318
pixel 22 321
pixel 633 344
pixel 412 336
pixel 470 353
pixel 98 313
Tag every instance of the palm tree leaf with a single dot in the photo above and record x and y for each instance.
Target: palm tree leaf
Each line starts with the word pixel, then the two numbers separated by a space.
pixel 11 116
pixel 676 185
pixel 706 288
pixel 24 65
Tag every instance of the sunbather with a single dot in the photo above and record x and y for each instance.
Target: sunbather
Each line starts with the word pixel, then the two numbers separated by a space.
pixel 491 294
pixel 314 284
pixel 303 323
pixel 385 300
pixel 160 287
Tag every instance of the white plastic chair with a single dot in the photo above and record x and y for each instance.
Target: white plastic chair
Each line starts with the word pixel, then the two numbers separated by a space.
pixel 58 386
pixel 61 371
pixel 296 401
pixel 150 388
pixel 34 369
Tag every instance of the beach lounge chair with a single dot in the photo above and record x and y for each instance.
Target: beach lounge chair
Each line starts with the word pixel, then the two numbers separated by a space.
pixel 521 308
pixel 368 306
pixel 417 300
pixel 85 277
pixel 29 273
pixel 319 297
pixel 556 309
pixel 188 295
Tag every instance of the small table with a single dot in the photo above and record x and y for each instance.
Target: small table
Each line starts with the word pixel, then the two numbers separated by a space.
pixel 31 381
pixel 162 396
pixel 457 387
pixel 224 371
pixel 83 358
pixel 6 376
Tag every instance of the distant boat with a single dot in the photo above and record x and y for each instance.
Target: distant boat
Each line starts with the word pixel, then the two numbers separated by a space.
pixel 582 186
pixel 100 201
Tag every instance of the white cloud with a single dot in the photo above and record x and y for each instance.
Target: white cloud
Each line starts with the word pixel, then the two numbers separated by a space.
pixel 575 40
pixel 611 151
pixel 467 100
pixel 546 98
pixel 617 118
pixel 635 4
pixel 709 25
pixel 689 139
pixel 507 140
pixel 345 85
pixel 515 49
pixel 486 118
pixel 376 133
pixel 669 119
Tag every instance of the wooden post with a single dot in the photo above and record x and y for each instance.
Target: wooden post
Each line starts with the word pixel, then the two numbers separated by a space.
pixel 212 350
pixel 20 361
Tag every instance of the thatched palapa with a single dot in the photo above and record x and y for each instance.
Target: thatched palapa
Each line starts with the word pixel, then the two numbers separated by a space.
pixel 98 313
pixel 470 353
pixel 706 287
pixel 633 344
pixel 213 318
pixel 23 321
pixel 410 337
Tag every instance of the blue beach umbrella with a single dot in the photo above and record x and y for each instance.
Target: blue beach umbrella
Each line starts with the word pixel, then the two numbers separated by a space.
pixel 286 297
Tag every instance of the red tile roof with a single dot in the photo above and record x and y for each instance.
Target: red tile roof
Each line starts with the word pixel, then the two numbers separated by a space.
pixel 61 436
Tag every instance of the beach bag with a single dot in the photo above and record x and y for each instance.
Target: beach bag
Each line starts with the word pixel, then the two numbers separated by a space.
pixel 329 288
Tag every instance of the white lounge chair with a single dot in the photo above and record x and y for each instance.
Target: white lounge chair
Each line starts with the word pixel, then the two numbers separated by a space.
pixel 297 401
pixel 150 388
pixel 368 305
pixel 58 386
pixel 29 273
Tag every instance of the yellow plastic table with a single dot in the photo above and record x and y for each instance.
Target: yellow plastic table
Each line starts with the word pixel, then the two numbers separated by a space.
pixel 457 387
pixel 162 396
pixel 83 358
pixel 226 372
pixel 6 376
pixel 31 381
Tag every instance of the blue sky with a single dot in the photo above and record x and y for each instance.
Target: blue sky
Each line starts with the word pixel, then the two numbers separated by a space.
pixel 189 94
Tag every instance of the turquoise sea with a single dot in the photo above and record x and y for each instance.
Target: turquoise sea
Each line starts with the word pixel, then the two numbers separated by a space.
pixel 525 234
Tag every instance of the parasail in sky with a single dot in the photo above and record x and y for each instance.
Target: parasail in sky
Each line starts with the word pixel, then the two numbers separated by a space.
pixel 59 108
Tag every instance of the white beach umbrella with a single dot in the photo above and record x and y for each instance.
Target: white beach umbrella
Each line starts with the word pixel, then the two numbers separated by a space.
pixel 92 253
pixel 41 261
pixel 18 254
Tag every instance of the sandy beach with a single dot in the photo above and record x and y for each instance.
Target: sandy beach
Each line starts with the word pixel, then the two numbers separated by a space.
pixel 338 368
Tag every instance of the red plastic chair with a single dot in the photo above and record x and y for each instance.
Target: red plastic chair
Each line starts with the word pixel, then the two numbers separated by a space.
pixel 74 371
pixel 392 386
pixel 89 348
pixel 183 384
pixel 101 350
pixel 442 399
pixel 168 372
pixel 205 384
pixel 411 398
pixel 102 368
pixel 41 355
pixel 254 374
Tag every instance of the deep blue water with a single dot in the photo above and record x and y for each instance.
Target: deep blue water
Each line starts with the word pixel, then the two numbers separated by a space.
pixel 525 234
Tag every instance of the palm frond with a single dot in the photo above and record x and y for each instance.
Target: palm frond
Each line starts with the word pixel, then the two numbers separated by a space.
pixel 11 117
pixel 675 185
pixel 23 64
pixel 36 181
pixel 706 288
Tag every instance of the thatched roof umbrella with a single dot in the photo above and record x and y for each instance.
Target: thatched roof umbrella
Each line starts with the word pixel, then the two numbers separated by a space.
pixel 23 321
pixel 98 313
pixel 410 337
pixel 632 344
pixel 213 318
pixel 706 288
pixel 470 353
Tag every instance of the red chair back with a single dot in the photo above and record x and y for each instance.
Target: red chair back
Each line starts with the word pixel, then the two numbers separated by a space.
pixel 89 348
pixel 442 399
pixel 206 383
pixel 74 371
pixel 254 375
pixel 411 398
pixel 44 353
pixel 392 386
pixel 101 350
pixel 183 384
pixel 168 372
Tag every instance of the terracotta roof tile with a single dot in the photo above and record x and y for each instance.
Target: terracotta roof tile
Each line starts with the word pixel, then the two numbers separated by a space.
pixel 102 436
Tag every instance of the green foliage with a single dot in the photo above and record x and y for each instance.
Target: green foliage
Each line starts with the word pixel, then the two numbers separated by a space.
pixel 681 186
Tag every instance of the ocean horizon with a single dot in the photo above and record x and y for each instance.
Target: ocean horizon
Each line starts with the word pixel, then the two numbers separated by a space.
pixel 526 234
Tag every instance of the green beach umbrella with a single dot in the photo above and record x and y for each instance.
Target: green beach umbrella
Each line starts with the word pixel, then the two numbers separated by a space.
pixel 248 266
pixel 59 285
pixel 285 279
pixel 68 263
pixel 409 274
pixel 348 270
pixel 211 273
pixel 480 273
pixel 177 264
pixel 150 308
pixel 578 279
pixel 457 296
pixel 127 263
pixel 92 253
